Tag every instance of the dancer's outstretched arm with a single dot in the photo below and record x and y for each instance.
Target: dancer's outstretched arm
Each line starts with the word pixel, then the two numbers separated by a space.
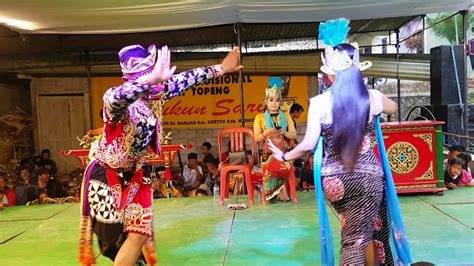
pixel 181 82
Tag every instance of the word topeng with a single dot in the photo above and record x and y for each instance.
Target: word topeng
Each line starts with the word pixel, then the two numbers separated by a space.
pixel 210 90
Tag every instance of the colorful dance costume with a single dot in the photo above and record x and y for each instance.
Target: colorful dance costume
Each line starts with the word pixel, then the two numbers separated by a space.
pixel 116 195
pixel 274 172
pixel 364 198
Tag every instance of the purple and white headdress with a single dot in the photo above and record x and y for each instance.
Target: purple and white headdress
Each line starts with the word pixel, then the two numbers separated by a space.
pixel 333 33
pixel 137 62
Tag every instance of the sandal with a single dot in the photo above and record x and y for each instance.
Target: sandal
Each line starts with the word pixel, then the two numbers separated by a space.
pixel 241 206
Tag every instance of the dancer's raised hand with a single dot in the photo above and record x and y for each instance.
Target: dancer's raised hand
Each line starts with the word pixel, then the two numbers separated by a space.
pixel 231 62
pixel 162 71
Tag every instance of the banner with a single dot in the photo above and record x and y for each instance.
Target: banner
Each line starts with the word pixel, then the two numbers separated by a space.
pixel 215 103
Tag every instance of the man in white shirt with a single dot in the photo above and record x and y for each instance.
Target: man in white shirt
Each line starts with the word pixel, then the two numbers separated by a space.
pixel 192 175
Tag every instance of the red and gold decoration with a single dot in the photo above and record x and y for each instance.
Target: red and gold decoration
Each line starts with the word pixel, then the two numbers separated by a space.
pixel 414 150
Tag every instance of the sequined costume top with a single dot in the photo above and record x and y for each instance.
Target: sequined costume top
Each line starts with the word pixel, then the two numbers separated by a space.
pixel 132 117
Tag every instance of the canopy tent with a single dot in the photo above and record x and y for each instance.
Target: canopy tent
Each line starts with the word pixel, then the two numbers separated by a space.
pixel 74 26
pixel 127 16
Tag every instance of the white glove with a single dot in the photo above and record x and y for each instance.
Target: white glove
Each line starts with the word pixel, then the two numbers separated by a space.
pixel 277 153
pixel 162 70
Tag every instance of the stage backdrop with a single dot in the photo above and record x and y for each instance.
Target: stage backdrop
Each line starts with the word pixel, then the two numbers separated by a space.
pixel 214 103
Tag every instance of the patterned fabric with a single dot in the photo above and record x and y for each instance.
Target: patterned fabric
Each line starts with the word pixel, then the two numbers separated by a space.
pixel 135 58
pixel 130 124
pixel 281 121
pixel 116 196
pixel 273 180
pixel 113 217
pixel 358 197
pixel 274 176
pixel 102 203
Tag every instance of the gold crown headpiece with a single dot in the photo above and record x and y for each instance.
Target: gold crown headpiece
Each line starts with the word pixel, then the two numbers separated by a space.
pixel 274 87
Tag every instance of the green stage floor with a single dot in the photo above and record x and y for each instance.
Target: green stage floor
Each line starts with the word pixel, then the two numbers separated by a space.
pixel 194 231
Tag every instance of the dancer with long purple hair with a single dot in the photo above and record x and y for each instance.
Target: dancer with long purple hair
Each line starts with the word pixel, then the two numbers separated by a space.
pixel 352 176
pixel 116 196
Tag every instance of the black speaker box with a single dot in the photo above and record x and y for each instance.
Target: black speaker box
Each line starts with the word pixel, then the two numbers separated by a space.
pixel 449 113
pixel 444 89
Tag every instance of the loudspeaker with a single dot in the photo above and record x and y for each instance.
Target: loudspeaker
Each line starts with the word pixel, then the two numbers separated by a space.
pixel 444 89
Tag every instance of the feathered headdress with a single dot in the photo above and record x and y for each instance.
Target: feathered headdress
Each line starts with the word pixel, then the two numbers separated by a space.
pixel 274 87
pixel 333 33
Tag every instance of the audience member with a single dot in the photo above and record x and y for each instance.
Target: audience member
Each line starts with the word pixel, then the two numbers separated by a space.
pixel 225 155
pixel 25 191
pixel 192 175
pixel 48 188
pixel 295 112
pixel 466 175
pixel 7 195
pixel 45 157
pixel 452 174
pixel 213 177
pixel 454 150
pixel 307 175
pixel 206 151
pixel 256 166
pixel 201 193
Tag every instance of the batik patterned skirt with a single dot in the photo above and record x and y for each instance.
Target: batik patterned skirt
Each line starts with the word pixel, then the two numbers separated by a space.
pixel 274 175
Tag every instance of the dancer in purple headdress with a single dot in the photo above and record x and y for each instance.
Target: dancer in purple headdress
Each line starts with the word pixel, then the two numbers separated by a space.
pixel 116 197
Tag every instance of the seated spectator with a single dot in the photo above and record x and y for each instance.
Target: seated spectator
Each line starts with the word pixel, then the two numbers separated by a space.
pixel 452 174
pixel 307 175
pixel 454 150
pixel 159 186
pixel 47 161
pixel 42 163
pixel 201 193
pixel 48 188
pixel 225 155
pixel 466 175
pixel 7 195
pixel 25 162
pixel 25 191
pixel 213 177
pixel 206 151
pixel 192 175
pixel 256 166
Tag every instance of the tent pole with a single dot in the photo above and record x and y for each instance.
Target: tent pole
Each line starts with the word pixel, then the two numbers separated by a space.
pixel 399 97
pixel 465 14
pixel 89 90
pixel 241 77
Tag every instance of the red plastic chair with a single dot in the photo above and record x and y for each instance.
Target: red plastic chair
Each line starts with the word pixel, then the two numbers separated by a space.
pixel 237 138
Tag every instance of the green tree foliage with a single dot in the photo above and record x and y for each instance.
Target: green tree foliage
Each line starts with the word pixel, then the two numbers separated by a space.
pixel 446 29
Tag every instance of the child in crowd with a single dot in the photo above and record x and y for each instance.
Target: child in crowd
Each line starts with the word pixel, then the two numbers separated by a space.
pixel 452 174
pixel 466 176
pixel 307 176
pixel 454 150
